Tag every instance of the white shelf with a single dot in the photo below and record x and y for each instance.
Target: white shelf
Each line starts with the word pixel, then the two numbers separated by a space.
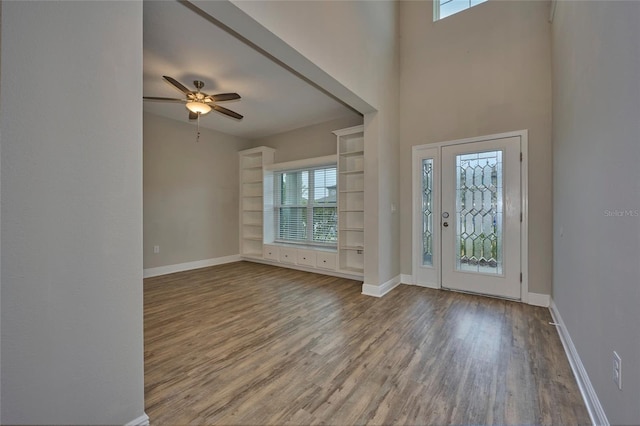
pixel 351 200
pixel 252 162
pixel 352 153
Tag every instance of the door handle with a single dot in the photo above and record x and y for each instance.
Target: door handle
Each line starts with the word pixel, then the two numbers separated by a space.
pixel 445 224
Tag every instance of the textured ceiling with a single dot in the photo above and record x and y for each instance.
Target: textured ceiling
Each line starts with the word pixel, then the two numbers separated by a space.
pixel 181 44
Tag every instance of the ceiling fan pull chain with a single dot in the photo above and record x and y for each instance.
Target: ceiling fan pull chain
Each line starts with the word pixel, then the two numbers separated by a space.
pixel 198 135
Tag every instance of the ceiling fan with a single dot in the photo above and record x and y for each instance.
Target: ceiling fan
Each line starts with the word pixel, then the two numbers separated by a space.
pixel 197 102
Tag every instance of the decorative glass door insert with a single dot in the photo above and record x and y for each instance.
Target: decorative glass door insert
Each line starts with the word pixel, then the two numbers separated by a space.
pixel 479 212
pixel 427 211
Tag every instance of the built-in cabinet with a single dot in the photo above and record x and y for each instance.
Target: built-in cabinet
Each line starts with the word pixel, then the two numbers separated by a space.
pixel 317 258
pixel 252 162
pixel 351 199
pixel 256 210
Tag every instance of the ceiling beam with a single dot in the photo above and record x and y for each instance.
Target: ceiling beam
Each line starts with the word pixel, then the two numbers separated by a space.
pixel 232 19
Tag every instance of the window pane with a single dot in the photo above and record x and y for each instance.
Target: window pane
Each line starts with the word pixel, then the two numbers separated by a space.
pixel 325 187
pixel 293 223
pixel 294 188
pixel 325 224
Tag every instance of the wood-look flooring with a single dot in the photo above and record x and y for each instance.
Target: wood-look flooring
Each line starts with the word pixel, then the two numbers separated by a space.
pixel 246 343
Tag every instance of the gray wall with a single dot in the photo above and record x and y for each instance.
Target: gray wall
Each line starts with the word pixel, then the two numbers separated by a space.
pixel 307 142
pixel 71 223
pixel 190 192
pixel 596 131
pixel 486 70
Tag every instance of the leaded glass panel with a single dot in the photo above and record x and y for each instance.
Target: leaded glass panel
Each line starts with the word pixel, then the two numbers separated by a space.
pixel 479 212
pixel 427 212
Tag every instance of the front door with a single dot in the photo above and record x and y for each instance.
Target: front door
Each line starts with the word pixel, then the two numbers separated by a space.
pixel 480 217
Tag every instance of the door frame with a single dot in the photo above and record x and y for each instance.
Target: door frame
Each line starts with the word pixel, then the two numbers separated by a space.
pixel 416 197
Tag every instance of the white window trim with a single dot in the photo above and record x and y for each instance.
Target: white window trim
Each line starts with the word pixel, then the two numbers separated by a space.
pixel 436 9
pixel 327 160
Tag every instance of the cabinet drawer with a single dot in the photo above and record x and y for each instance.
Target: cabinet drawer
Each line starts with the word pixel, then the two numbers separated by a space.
pixel 307 258
pixel 271 252
pixel 326 260
pixel 288 255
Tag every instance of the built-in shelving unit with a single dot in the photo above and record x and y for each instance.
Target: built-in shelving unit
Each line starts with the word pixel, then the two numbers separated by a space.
pixel 351 199
pixel 252 162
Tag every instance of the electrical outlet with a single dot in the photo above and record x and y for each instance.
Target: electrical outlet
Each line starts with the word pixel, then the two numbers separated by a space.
pixel 617 370
pixel 156 249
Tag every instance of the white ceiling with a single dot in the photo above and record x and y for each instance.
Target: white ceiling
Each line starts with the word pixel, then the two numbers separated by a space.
pixel 183 45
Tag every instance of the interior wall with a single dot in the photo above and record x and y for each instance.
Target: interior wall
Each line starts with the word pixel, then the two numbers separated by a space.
pixel 596 102
pixel 356 43
pixel 190 192
pixel 71 223
pixel 307 142
pixel 486 70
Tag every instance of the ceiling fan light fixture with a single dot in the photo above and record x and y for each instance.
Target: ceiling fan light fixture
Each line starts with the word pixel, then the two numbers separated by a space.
pixel 198 107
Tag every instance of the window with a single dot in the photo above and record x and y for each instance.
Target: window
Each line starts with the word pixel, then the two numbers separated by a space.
pixel 444 8
pixel 305 206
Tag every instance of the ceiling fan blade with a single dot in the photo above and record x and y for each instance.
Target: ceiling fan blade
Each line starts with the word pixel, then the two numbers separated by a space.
pixel 154 98
pixel 227 112
pixel 193 115
pixel 221 97
pixel 177 85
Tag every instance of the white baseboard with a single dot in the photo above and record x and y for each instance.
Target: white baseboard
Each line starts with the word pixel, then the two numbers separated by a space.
pixel 406 279
pixel 596 412
pixel 170 269
pixel 143 420
pixel 428 285
pixel 409 280
pixel 537 299
pixel 381 290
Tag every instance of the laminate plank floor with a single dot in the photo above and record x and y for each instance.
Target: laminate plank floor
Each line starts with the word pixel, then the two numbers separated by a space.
pixel 246 344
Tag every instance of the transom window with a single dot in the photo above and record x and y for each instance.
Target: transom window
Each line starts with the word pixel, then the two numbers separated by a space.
pixel 444 8
pixel 305 206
